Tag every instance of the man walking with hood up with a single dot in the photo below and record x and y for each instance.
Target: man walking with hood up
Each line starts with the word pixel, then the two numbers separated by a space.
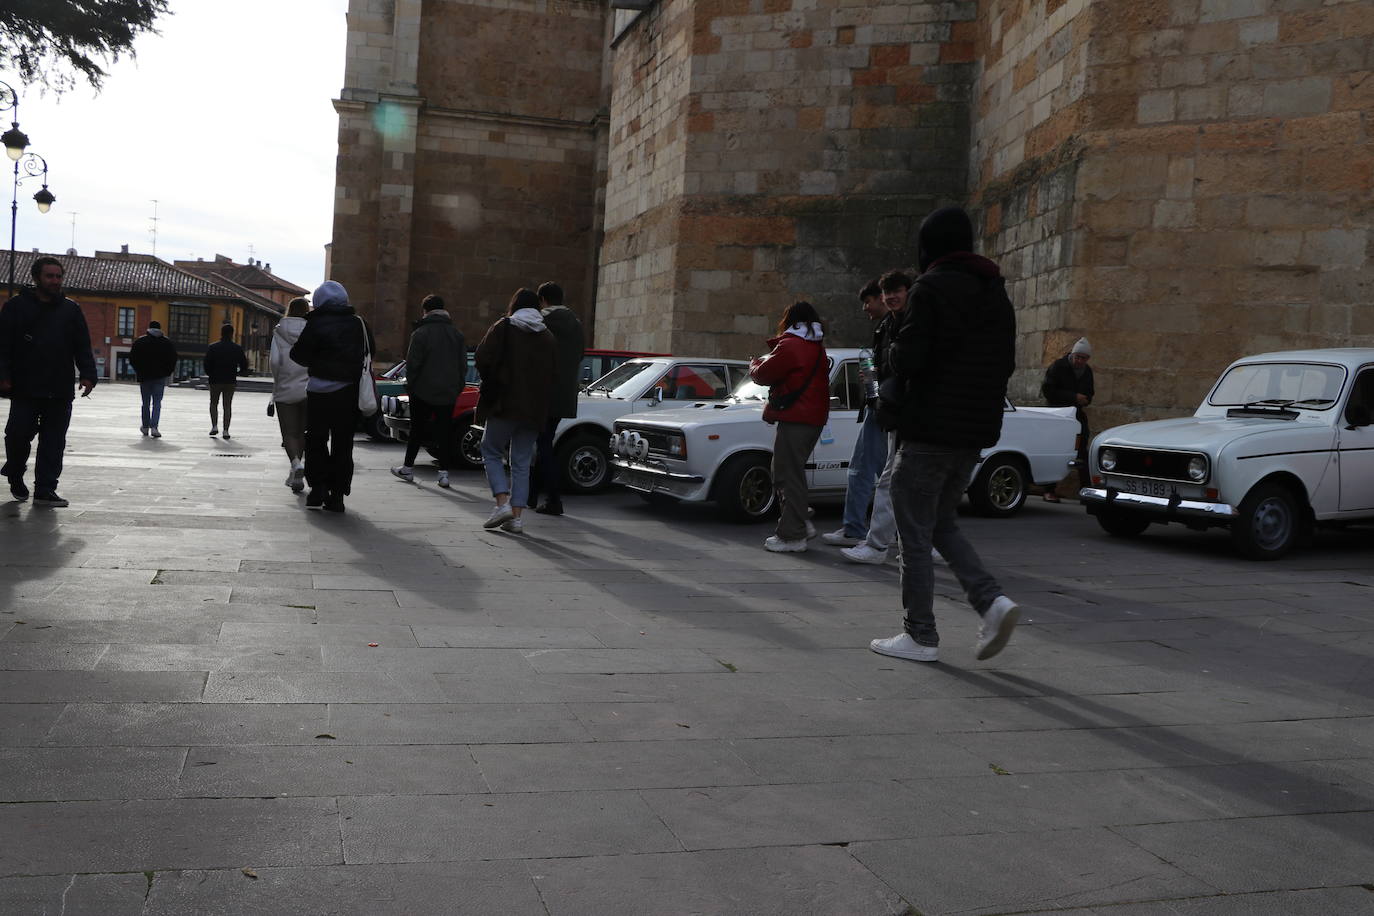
pixel 952 356
pixel 436 370
pixel 332 348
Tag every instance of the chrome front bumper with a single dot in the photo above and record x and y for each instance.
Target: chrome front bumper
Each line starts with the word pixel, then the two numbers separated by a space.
pixel 652 478
pixel 1156 505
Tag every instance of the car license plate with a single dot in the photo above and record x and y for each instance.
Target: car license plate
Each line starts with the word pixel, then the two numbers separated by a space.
pixel 637 480
pixel 1144 487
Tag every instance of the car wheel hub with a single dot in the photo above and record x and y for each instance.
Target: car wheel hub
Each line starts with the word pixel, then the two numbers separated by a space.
pixel 756 491
pixel 1272 523
pixel 586 466
pixel 1004 488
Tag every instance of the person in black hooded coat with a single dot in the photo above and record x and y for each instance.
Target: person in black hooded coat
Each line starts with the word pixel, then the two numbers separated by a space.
pixel 950 360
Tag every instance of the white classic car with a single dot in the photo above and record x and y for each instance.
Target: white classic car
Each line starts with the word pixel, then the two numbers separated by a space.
pixel 722 451
pixel 1281 443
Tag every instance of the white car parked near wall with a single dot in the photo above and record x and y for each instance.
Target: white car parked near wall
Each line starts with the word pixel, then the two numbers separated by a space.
pixel 1282 442
pixel 722 451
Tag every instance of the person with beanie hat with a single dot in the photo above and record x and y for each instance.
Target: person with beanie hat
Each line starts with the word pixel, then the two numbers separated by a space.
pixel 332 347
pixel 1069 383
pixel 154 359
pixel 950 360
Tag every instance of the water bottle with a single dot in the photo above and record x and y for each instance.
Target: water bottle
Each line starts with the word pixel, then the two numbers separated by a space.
pixel 868 375
pixel 827 435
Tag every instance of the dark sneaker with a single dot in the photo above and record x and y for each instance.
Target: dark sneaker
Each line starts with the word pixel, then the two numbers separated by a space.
pixel 226 434
pixel 52 500
pixel 334 504
pixel 315 498
pixel 18 489
pixel 550 507
pixel 214 431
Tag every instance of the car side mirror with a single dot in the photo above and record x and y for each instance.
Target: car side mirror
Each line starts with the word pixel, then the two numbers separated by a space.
pixel 836 403
pixel 1357 415
pixel 658 395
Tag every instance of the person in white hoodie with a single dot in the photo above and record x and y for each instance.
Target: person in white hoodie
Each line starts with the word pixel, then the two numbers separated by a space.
pixel 288 390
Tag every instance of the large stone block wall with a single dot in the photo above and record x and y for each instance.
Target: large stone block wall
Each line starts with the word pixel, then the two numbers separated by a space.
pixel 817 134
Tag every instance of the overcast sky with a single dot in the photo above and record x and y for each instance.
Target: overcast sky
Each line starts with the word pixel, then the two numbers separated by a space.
pixel 225 119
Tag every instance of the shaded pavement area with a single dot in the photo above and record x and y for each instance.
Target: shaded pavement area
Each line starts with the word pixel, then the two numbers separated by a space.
pixel 634 709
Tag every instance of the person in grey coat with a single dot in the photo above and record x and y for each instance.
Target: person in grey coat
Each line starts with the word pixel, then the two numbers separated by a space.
pixel 436 370
pixel 567 332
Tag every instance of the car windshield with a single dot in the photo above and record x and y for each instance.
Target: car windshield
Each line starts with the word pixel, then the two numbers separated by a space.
pixel 750 390
pixel 1310 386
pixel 627 380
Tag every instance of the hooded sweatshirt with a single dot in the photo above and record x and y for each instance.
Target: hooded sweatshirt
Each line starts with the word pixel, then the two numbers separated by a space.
pixel 288 376
pixel 520 354
pixel 797 362
pixel 153 356
pixel 334 342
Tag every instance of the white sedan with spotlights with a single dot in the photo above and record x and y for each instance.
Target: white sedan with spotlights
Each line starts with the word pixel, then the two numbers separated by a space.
pixel 723 451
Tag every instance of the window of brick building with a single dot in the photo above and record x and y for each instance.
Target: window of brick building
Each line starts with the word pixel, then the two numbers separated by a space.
pixel 188 324
pixel 126 321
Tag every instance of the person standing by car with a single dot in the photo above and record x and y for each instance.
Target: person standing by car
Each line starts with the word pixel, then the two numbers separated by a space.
pixel 567 331
pixel 951 358
pixel 332 348
pixel 436 367
pixel 516 359
pixel 798 377
pixel 154 359
pixel 870 448
pixel 225 361
pixel 42 335
pixel 288 390
pixel 1069 383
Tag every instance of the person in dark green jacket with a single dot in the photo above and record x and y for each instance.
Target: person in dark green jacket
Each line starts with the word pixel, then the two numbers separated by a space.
pixel 436 370
pixel 567 331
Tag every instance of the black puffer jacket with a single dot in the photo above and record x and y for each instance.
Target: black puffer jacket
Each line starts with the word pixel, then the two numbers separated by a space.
pixel 331 345
pixel 39 344
pixel 953 354
pixel 153 356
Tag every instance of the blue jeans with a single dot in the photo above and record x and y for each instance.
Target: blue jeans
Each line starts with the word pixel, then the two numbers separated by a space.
pixel 870 454
pixel 48 419
pixel 497 434
pixel 152 389
pixel 927 484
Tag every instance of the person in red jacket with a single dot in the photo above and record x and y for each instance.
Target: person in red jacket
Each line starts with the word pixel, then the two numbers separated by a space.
pixel 797 374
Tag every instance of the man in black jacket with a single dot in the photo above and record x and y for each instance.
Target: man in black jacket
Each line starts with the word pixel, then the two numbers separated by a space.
pixel 953 354
pixel 567 332
pixel 225 361
pixel 154 359
pixel 42 335
pixel 1069 383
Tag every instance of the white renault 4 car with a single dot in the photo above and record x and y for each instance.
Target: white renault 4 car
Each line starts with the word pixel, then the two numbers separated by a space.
pixel 723 451
pixel 1282 442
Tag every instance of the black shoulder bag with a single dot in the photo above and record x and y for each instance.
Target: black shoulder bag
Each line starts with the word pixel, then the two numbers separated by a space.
pixel 785 401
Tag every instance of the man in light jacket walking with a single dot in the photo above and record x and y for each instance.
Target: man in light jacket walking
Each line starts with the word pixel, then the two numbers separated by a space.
pixel 436 370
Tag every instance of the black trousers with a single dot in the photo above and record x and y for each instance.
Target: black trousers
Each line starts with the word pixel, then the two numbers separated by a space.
pixel 547 475
pixel 47 418
pixel 331 419
pixel 430 423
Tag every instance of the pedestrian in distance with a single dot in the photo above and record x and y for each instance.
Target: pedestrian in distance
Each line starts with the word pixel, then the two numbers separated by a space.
pixel 42 336
pixel 225 361
pixel 870 448
pixel 567 331
pixel 289 379
pixel 882 527
pixel 797 374
pixel 436 370
pixel 951 358
pixel 517 360
pixel 153 358
pixel 332 347
pixel 1069 383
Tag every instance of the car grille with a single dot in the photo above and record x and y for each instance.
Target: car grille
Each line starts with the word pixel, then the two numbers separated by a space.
pixel 1141 462
pixel 657 439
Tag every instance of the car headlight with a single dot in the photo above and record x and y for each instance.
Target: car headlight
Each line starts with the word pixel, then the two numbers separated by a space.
pixel 677 446
pixel 1197 469
pixel 1106 459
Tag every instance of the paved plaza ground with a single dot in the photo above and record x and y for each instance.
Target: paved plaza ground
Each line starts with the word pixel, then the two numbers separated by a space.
pixel 215 701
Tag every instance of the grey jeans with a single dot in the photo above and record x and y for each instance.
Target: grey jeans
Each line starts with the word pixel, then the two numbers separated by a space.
pixel 927 484
pixel 792 445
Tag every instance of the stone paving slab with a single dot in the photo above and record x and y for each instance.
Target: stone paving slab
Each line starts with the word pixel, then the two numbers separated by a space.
pixel 633 709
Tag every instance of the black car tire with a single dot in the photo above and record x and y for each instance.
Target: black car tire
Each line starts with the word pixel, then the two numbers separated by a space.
pixel 1269 522
pixel 375 427
pixel 999 489
pixel 744 489
pixel 1122 523
pixel 585 461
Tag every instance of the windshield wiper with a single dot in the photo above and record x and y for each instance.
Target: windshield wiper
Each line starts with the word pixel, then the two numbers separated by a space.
pixel 1312 402
pixel 1270 402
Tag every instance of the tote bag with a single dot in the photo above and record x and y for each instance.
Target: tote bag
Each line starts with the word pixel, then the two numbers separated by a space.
pixel 367 388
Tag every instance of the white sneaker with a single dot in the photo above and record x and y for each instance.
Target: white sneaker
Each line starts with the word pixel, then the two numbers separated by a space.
pixel 513 525
pixel 443 479
pixel 903 646
pixel 810 531
pixel 778 545
pixel 155 433
pixel 405 472
pixel 862 553
pixel 499 516
pixel 838 538
pixel 998 622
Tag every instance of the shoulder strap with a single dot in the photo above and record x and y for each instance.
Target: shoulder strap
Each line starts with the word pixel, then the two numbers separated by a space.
pixel 367 351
